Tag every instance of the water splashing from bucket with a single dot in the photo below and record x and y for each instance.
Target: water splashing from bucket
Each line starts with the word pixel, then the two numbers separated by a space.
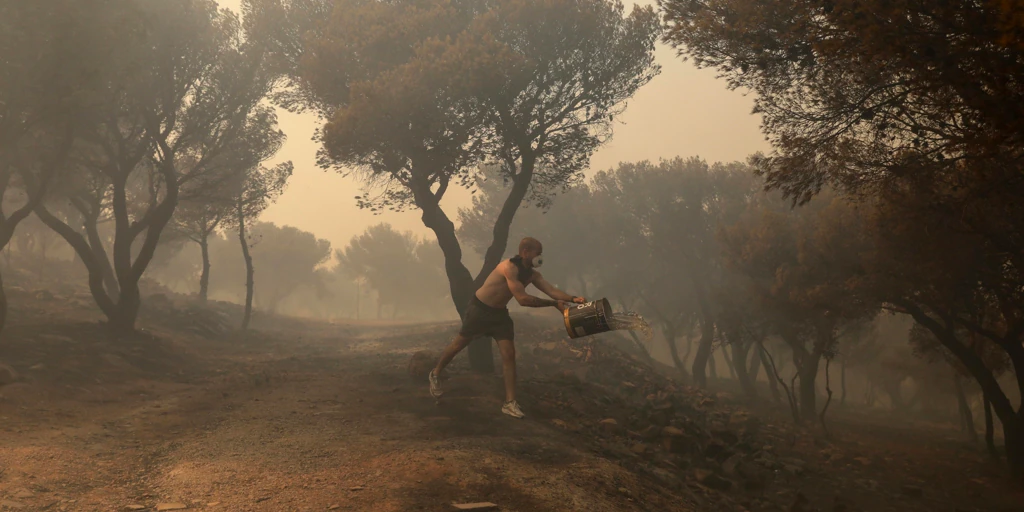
pixel 630 321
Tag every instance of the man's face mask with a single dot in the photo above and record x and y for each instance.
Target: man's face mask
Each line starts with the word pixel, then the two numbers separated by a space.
pixel 537 261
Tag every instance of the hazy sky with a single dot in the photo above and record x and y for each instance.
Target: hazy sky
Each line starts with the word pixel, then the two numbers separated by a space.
pixel 684 111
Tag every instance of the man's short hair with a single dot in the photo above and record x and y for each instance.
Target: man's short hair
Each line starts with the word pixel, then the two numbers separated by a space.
pixel 530 244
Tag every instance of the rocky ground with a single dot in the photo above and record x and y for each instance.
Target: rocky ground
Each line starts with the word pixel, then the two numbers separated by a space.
pixel 302 415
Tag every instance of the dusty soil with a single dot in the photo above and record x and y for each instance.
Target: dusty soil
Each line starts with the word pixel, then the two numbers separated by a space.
pixel 301 415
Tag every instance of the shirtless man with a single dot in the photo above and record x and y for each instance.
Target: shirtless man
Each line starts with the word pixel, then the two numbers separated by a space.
pixel 487 315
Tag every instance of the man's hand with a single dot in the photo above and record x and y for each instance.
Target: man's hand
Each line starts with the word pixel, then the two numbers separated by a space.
pixel 562 305
pixel 579 300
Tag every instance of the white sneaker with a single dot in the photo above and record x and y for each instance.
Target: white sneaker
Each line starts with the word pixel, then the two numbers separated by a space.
pixel 435 385
pixel 512 409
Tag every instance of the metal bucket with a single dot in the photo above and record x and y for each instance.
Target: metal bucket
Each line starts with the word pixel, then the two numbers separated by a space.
pixel 588 318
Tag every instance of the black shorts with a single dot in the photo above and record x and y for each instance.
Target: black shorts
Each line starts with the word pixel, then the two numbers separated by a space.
pixel 484 320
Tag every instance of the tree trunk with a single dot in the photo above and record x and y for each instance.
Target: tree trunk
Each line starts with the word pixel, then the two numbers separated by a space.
pixel 990 435
pixel 36 191
pixel 92 235
pixel 204 278
pixel 6 233
pixel 703 355
pixel 966 415
pixel 1013 421
pixel 773 384
pixel 730 364
pixel 739 354
pixel 669 332
pixel 460 281
pixel 842 382
pixel 87 256
pixel 1014 438
pixel 773 374
pixel 249 271
pixel 808 394
pixel 643 349
pixel 755 364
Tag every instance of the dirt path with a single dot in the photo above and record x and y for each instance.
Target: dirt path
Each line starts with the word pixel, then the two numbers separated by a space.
pixel 323 423
pixel 325 417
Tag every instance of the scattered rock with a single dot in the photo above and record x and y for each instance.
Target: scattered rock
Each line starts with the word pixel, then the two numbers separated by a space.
pixel 485 505
pixel 171 506
pixel 640 448
pixel 420 365
pixel 730 464
pixel 864 461
pixel 610 426
pixel 672 432
pixel 333 507
pixel 22 494
pixel 356 488
pixel 13 505
pixel 136 507
pixel 711 480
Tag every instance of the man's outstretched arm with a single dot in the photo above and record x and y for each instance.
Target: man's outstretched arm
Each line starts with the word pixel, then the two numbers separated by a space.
pixel 550 290
pixel 525 299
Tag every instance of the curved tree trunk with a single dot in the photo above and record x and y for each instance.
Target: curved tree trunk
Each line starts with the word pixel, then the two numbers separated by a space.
pixel 249 271
pixel 669 332
pixel 204 278
pixel 754 372
pixel 460 281
pixel 727 354
pixel 990 434
pixel 808 392
pixel 1012 420
pixel 703 355
pixel 842 382
pixel 92 235
pixel 36 188
pixel 707 335
pixel 740 351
